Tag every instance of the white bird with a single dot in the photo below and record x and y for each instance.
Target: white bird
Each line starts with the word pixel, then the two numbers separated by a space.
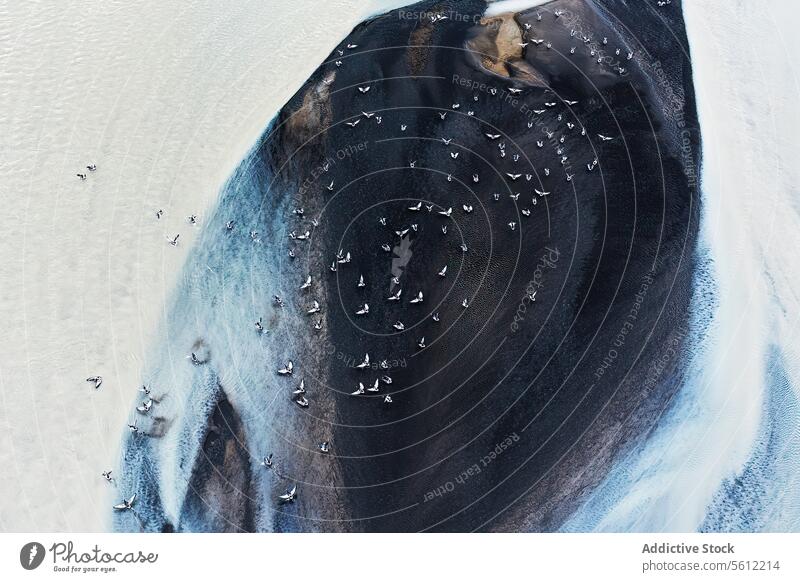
pixel 512 225
pixel 447 141
pixel 465 304
pixel 467 208
pixel 475 178
pixel 418 298
pixel 300 389
pixel 454 155
pixel 387 399
pixel 96 380
pixel 398 325
pixel 403 127
pixel 443 115
pixel 107 476
pixel 523 44
pixel 126 504
pixel 287 369
pixel 421 343
pixel 364 310
pixel 307 284
pixel 174 241
pixel 514 177
pixel 374 387
pixel 361 281
pixel 302 402
pixel 359 391
pixel 447 212
pixel 313 309
pixel 514 91
pixel 267 462
pixel 324 447
pixel 569 177
pixel 540 192
pixel 568 102
pixel 353 123
pixel 330 186
pixel 416 207
pixel 537 41
pixel 364 89
pixel 367 115
pixel 443 272
pixel 289 496
pixel 444 229
pixel 493 136
pixel 463 247
pixel 395 297
pixel 436 316
pixel 604 138
pixel 364 363
pixel 145 406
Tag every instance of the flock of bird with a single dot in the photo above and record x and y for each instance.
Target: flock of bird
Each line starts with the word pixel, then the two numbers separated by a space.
pixel 557 122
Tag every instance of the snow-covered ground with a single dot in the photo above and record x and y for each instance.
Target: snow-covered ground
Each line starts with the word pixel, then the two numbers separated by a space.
pixel 728 455
pixel 166 98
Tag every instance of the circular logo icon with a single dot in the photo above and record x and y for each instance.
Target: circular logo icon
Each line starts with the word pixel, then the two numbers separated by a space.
pixel 31 555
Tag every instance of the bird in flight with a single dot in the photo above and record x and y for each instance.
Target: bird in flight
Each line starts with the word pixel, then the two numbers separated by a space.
pixel 126 504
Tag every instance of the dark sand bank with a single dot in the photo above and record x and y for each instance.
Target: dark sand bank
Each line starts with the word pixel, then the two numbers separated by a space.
pixel 514 409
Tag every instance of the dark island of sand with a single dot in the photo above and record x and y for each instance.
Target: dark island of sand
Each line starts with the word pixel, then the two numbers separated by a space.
pixel 547 159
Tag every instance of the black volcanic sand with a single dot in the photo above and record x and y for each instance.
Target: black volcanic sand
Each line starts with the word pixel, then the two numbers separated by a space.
pixel 514 410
